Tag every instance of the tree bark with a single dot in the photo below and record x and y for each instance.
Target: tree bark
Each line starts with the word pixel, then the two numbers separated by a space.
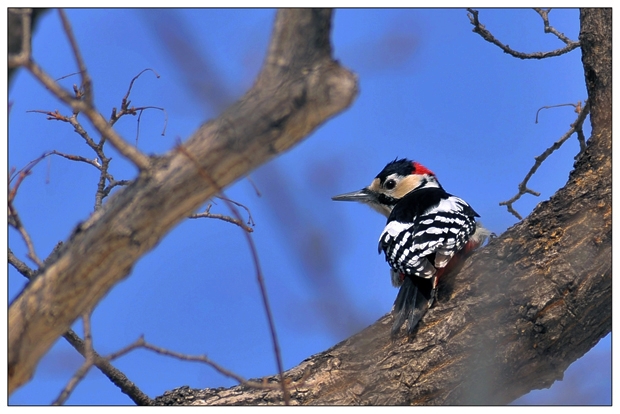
pixel 300 86
pixel 513 319
pixel 15 32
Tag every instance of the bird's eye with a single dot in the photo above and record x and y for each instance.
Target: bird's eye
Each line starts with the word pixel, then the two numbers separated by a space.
pixel 389 184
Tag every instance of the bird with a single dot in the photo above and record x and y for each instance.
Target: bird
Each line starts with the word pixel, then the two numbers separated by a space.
pixel 428 233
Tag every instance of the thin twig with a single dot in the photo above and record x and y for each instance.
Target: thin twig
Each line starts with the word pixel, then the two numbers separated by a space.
pixel 86 365
pixel 550 29
pixel 102 190
pixel 116 376
pixel 523 189
pixel 250 219
pixel 21 175
pixel 73 382
pixel 214 365
pixel 125 102
pixel 16 222
pixel 101 193
pixel 207 214
pixel 86 80
pixel 101 162
pixel 82 132
pixel 254 186
pixel 78 158
pixel 141 110
pixel 577 107
pixel 67 76
pixel 101 125
pixel 13 217
pixel 259 274
pixel 141 343
pixel 20 266
pixel 126 110
pixel 114 183
pixel 103 165
pixel 486 35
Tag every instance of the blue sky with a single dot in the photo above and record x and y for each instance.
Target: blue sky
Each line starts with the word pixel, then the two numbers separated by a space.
pixel 430 90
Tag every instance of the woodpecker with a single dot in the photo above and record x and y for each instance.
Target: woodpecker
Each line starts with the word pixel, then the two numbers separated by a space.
pixel 428 233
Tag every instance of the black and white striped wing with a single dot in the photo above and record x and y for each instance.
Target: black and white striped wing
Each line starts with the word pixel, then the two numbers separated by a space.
pixel 430 240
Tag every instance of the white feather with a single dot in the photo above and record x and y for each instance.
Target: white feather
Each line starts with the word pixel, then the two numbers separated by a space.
pixel 394 228
pixel 448 205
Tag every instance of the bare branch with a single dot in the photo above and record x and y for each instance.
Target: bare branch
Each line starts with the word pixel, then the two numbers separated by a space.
pixel 15 221
pixel 125 101
pixel 228 200
pixel 20 266
pixel 259 273
pixel 254 186
pixel 141 110
pixel 13 216
pixel 544 14
pixel 285 104
pixel 101 125
pixel 207 214
pixel 141 343
pixel 116 376
pixel 102 190
pixel 486 35
pixel 112 185
pixel 83 370
pixel 523 189
pixel 127 110
pixel 78 158
pixel 577 107
pixel 86 80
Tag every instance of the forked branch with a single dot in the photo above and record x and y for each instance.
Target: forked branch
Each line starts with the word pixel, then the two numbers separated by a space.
pixel 488 36
pixel 287 102
pixel 575 127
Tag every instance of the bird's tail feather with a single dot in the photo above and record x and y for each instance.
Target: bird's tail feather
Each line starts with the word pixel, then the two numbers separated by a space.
pixel 413 300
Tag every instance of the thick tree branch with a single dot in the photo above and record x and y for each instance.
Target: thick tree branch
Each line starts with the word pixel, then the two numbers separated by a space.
pixel 513 319
pixel 299 87
pixel 104 365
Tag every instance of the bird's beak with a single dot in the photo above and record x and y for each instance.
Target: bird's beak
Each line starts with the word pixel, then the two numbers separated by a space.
pixel 362 196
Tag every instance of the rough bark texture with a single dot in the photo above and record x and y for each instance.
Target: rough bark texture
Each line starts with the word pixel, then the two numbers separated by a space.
pixel 513 319
pixel 299 87
pixel 15 32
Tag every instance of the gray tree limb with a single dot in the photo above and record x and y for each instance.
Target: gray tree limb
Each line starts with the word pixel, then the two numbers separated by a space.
pixel 300 86
pixel 513 319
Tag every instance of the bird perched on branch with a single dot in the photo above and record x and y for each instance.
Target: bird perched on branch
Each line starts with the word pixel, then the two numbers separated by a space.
pixel 428 233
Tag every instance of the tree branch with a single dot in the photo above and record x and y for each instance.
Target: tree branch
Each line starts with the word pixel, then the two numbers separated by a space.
pixel 488 36
pixel 101 125
pixel 575 127
pixel 299 87
pixel 207 214
pixel 87 84
pixel 513 319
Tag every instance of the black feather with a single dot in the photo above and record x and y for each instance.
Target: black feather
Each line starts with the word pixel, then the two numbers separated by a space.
pixel 413 300
pixel 419 201
pixel 402 167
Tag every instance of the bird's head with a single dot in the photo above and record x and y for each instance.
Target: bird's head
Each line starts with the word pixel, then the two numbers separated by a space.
pixel 397 179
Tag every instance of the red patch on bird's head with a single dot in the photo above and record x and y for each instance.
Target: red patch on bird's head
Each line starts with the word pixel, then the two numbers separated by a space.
pixel 420 169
